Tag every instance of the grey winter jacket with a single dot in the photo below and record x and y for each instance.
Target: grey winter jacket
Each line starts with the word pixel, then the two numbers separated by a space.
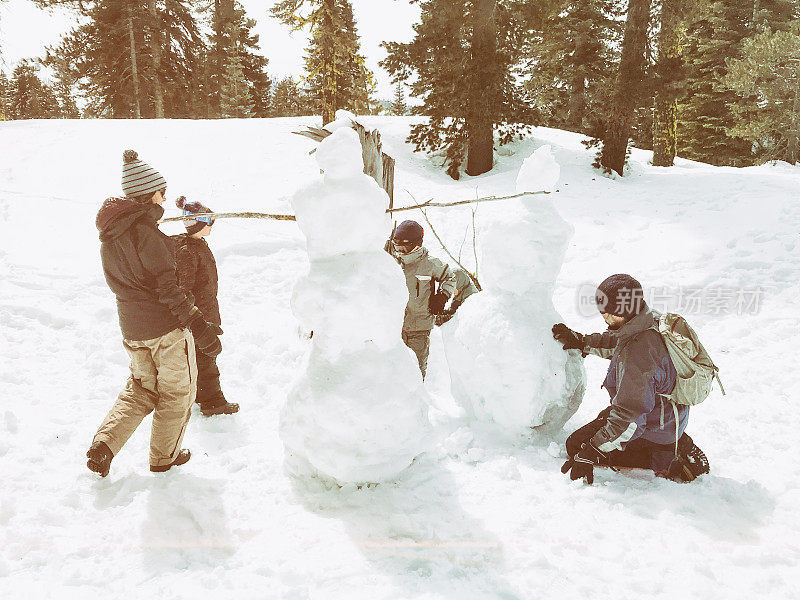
pixel 422 271
pixel 640 372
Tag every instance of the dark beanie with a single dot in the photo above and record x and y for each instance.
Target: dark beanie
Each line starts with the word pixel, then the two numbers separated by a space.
pixel 620 295
pixel 409 231
pixel 193 226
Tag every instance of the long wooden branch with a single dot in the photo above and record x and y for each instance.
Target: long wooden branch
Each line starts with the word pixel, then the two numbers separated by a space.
pixel 278 217
pixel 229 215
pixel 460 202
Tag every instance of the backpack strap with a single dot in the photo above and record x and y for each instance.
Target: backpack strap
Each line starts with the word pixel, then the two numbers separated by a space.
pixel 719 381
pixel 675 413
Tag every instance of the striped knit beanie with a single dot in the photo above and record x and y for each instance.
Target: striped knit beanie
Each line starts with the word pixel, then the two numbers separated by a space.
pixel 194 207
pixel 139 178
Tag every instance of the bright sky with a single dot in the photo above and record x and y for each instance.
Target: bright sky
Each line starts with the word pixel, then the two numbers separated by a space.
pixel 25 31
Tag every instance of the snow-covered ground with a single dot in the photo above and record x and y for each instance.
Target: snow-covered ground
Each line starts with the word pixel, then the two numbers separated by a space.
pixel 473 518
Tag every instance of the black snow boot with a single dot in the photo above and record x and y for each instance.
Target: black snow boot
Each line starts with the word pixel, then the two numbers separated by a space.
pixel 99 456
pixel 690 462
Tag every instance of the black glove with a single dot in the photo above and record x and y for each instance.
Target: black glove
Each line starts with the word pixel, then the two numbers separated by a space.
pixel 444 317
pixel 437 302
pixel 582 464
pixel 206 336
pixel 570 340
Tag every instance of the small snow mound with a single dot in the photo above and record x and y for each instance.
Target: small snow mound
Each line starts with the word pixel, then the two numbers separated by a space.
pixel 539 172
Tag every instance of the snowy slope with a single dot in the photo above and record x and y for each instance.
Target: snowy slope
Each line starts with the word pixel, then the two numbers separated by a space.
pixel 475 518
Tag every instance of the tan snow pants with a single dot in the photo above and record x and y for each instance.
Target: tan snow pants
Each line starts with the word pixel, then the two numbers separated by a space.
pixel 420 343
pixel 163 381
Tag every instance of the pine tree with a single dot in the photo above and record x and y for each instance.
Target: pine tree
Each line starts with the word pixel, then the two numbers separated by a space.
pixel 5 97
pixel 769 70
pixel 706 115
pixel 232 34
pixel 29 97
pixel 570 72
pixel 289 100
pixel 336 74
pixel 670 79
pixel 234 95
pixel 254 65
pixel 464 56
pixel 628 88
pixel 133 58
pixel 775 15
pixel 356 88
pixel 64 85
pixel 180 72
pixel 399 106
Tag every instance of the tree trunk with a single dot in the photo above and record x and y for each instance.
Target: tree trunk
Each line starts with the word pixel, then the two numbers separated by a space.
pixel 483 82
pixel 223 12
pixel 792 142
pixel 577 102
pixel 134 70
pixel 665 113
pixel 628 87
pixel 155 48
pixel 328 64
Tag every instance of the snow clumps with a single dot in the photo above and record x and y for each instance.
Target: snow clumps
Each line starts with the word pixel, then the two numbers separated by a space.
pixel 506 368
pixel 358 411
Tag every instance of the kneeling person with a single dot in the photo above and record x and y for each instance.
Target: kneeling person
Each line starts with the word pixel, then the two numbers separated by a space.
pixel 641 426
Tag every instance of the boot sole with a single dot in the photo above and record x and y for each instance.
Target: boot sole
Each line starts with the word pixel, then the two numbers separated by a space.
pixel 223 410
pixel 182 459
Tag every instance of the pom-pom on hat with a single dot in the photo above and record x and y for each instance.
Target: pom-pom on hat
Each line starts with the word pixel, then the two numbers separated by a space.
pixel 620 295
pixel 409 231
pixel 191 208
pixel 139 178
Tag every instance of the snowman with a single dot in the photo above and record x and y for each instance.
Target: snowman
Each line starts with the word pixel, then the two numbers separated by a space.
pixel 357 413
pixel 506 369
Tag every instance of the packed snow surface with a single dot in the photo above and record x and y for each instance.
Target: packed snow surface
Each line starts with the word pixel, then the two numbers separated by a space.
pixel 359 413
pixel 477 516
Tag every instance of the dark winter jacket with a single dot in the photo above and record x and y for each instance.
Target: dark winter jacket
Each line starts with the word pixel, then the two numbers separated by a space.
pixel 640 372
pixel 139 267
pixel 197 274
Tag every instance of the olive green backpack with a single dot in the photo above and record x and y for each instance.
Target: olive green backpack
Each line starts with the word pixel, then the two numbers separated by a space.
pixel 696 370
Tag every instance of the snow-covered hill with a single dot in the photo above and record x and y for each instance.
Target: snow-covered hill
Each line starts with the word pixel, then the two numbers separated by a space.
pixel 474 518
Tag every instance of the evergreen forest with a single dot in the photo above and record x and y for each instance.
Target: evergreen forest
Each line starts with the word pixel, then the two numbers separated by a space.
pixel 711 80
